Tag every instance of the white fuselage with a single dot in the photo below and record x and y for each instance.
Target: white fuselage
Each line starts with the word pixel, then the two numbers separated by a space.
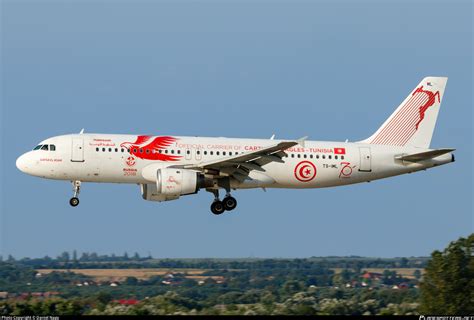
pixel 108 158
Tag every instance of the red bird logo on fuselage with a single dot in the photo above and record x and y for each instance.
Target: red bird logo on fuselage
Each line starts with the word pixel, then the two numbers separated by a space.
pixel 151 148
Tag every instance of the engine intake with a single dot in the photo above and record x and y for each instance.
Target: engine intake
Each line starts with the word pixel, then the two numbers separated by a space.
pixel 171 183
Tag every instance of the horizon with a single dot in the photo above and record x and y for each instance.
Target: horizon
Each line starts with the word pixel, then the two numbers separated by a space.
pixel 145 256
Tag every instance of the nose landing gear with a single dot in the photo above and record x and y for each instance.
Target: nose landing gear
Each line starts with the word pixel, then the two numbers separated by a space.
pixel 74 201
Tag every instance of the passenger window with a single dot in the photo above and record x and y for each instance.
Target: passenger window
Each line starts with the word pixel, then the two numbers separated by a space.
pixel 172 151
pixel 103 149
pixel 335 157
pixel 311 156
pixel 179 151
pixel 147 150
pixel 292 155
pixel 122 150
pixel 134 150
pixel 223 153
pixel 187 152
pixel 96 149
pixel 198 152
pixel 342 157
pixel 205 153
pixel 44 147
pixel 330 157
pixel 304 156
pixel 166 151
pixel 110 149
pixel 212 153
pixel 159 151
pixel 52 147
pixel 230 153
pixel 217 153
pixel 324 157
pixel 299 155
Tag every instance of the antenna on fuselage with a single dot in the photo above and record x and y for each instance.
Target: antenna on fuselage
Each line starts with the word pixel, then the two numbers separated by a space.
pixel 82 131
pixel 272 137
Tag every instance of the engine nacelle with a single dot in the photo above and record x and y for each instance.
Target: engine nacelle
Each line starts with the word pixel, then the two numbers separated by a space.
pixel 171 183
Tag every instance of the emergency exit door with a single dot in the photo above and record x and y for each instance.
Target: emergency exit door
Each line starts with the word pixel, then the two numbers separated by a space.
pixel 365 159
pixel 77 153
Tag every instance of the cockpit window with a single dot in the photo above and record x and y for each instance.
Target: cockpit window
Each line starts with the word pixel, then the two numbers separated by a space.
pixel 44 147
pixel 38 147
pixel 52 147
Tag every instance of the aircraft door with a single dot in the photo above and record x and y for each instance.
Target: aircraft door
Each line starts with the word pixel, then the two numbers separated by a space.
pixel 365 159
pixel 77 153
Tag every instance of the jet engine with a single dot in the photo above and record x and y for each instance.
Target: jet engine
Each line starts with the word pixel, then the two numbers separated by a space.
pixel 171 183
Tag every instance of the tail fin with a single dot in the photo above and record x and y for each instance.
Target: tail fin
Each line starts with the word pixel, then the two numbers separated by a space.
pixel 414 120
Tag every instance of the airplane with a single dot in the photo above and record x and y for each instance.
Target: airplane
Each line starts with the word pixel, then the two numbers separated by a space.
pixel 168 167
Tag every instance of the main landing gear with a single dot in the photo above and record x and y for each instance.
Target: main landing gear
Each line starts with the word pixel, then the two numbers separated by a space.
pixel 74 201
pixel 227 204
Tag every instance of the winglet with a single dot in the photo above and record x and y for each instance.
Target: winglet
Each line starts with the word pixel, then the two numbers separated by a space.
pixel 301 141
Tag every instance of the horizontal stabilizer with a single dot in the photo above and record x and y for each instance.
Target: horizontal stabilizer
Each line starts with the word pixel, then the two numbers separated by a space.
pixel 424 155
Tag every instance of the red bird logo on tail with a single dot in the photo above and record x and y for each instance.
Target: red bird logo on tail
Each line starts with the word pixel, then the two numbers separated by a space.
pixel 431 101
pixel 151 148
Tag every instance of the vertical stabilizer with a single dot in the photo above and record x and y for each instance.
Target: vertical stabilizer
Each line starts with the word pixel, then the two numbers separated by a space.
pixel 413 123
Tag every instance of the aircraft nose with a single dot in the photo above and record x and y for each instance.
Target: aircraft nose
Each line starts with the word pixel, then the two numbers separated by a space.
pixel 22 163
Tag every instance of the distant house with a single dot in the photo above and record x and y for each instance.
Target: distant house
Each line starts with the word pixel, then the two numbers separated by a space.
pixel 50 293
pixel 372 276
pixel 127 302
pixel 3 294
pixel 24 295
pixel 403 285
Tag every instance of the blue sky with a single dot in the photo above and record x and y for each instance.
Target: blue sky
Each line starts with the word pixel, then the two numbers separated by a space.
pixel 333 70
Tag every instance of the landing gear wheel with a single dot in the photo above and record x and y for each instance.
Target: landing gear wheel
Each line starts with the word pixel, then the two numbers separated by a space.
pixel 217 207
pixel 229 203
pixel 74 201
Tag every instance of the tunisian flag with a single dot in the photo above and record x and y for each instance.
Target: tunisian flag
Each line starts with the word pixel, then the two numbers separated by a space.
pixel 339 150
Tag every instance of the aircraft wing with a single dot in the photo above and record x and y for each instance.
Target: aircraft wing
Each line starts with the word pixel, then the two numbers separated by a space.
pixel 239 166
